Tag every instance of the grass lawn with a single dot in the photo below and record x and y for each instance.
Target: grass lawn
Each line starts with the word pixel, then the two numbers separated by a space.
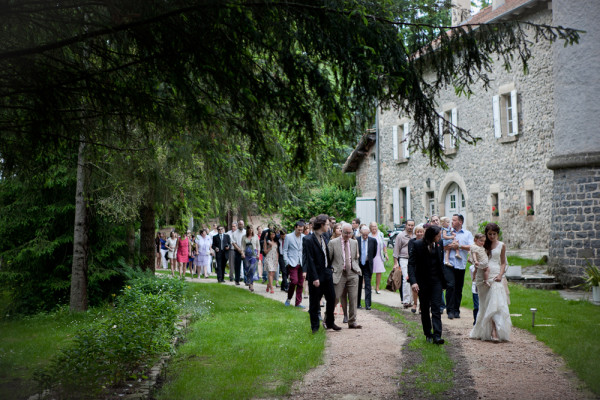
pixel 524 262
pixel 246 346
pixel 28 343
pixel 574 331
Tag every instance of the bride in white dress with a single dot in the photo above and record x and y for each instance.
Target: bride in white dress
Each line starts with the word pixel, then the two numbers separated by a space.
pixel 493 320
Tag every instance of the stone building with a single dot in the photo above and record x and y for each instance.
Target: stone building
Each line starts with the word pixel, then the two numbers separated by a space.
pixel 535 170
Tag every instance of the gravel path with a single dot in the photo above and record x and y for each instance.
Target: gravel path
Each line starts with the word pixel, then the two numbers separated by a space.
pixel 521 369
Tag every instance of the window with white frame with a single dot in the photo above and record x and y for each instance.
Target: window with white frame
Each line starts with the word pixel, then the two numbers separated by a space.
pixel 506 114
pixel 401 204
pixel 400 139
pixel 447 129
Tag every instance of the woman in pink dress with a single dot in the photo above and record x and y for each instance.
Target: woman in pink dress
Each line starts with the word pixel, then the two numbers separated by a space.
pixel 381 257
pixel 183 251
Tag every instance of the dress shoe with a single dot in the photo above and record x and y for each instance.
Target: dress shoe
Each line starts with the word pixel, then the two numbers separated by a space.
pixel 345 320
pixel 429 339
pixel 456 315
pixel 354 326
pixel 359 307
pixel 334 327
pixel 450 315
pixel 315 330
pixel 237 284
pixel 438 341
pixel 377 291
pixel 368 308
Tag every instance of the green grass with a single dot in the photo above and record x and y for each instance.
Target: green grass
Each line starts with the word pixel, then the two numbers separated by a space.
pixel 246 346
pixel 28 343
pixel 574 334
pixel 524 262
pixel 434 374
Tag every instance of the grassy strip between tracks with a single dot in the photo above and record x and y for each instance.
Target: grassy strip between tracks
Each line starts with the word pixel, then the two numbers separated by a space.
pixel 245 346
pixel 434 371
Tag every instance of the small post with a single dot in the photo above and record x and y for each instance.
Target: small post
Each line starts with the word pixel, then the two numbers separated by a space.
pixel 533 310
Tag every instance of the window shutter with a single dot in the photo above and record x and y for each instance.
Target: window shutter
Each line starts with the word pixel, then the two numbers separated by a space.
pixel 454 125
pixel 515 113
pixel 408 213
pixel 497 127
pixel 406 138
pixel 396 205
pixel 395 140
pixel 441 131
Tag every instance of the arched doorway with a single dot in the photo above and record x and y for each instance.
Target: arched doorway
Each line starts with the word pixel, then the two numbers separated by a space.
pixel 455 201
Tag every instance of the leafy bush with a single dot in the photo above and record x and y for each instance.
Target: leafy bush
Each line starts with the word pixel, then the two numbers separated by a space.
pixel 115 346
pixel 329 199
pixel 483 224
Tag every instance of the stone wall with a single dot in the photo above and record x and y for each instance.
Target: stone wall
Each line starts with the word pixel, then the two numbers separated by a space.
pixel 575 237
pixel 509 168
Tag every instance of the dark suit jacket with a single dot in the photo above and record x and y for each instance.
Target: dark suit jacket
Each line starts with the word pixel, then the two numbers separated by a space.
pixel 216 244
pixel 313 258
pixel 421 262
pixel 371 253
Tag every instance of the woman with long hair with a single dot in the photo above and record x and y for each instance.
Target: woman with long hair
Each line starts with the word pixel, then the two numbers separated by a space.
pixel 337 231
pixel 425 262
pixel 271 258
pixel 251 248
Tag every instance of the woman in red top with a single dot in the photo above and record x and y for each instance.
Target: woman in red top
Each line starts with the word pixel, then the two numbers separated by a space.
pixel 183 251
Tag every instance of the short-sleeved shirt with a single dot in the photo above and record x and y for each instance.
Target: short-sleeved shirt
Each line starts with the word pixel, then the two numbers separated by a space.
pixel 464 238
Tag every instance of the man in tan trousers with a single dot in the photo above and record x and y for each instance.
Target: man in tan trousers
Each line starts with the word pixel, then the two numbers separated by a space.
pixel 343 255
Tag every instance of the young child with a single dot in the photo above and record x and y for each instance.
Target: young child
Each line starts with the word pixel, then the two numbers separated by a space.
pixel 447 237
pixel 479 257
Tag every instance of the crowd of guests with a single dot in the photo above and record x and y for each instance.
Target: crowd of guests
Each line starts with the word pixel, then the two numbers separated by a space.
pixel 336 261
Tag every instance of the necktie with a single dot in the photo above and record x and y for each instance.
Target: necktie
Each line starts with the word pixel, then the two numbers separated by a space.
pixel 347 266
pixel 363 256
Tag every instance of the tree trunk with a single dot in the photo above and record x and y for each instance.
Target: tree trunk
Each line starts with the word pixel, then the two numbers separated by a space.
pixel 147 246
pixel 79 300
pixel 130 244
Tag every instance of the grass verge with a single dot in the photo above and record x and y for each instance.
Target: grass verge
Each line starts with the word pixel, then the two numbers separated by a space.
pixel 434 371
pixel 571 331
pixel 246 346
pixel 28 343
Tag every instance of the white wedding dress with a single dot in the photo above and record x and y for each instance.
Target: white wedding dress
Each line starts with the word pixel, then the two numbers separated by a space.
pixel 493 304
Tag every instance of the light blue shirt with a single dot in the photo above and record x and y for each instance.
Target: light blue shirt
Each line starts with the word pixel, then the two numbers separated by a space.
pixel 465 238
pixel 292 249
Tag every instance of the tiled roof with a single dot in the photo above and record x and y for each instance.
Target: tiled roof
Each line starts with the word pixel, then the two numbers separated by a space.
pixel 487 14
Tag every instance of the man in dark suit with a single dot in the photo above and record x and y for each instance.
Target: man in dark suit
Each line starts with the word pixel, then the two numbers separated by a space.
pixel 220 245
pixel 367 250
pixel 319 274
pixel 426 276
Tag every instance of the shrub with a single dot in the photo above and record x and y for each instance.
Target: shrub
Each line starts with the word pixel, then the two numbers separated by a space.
pixel 116 346
pixel 483 224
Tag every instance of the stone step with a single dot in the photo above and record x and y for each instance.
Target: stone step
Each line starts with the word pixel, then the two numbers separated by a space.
pixel 542 285
pixel 532 279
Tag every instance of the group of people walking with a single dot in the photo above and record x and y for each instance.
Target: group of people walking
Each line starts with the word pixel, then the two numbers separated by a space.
pixel 336 261
pixel 437 260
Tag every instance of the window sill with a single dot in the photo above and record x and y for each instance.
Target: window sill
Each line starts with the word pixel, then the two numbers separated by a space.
pixel 530 218
pixel 402 160
pixel 508 139
pixel 450 152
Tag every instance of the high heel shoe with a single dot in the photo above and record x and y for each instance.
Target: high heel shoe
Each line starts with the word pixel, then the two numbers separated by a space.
pixel 272 291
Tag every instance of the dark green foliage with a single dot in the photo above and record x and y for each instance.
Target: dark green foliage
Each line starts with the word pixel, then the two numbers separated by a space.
pixel 119 343
pixel 36 220
pixel 482 225
pixel 328 199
